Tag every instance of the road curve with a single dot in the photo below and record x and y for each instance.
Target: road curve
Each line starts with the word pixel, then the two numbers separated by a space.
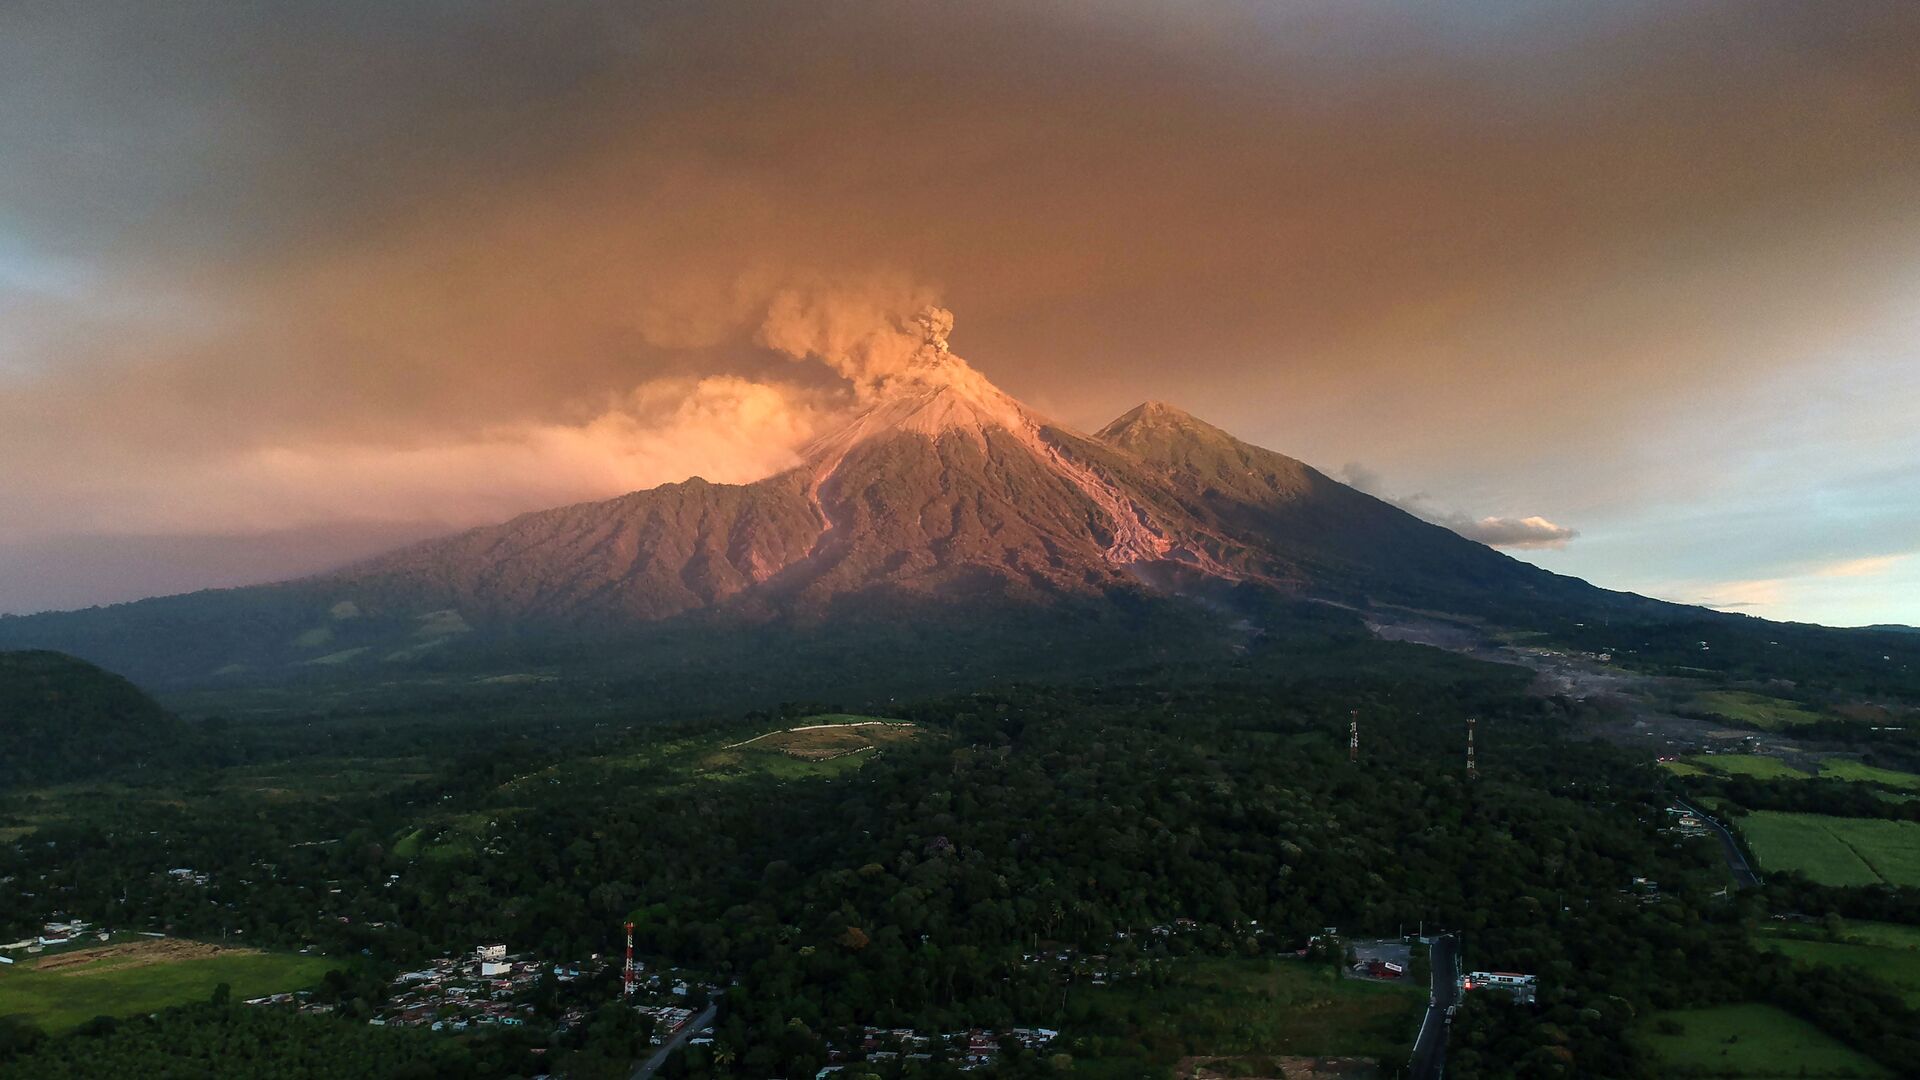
pixel 699 1023
pixel 1743 873
pixel 1430 1046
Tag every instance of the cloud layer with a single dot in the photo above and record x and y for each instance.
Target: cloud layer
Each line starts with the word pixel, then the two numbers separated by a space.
pixel 265 267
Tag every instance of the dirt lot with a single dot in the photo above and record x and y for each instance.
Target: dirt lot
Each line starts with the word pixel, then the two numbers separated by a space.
pixel 129 954
pixel 1390 951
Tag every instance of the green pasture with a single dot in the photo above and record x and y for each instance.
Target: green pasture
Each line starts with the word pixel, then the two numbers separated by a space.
pixel 1891 954
pixel 58 1000
pixel 1762 767
pixel 1243 1008
pixel 1758 710
pixel 1749 1042
pixel 1835 850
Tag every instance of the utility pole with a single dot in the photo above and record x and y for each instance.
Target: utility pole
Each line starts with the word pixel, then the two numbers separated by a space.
pixel 1473 771
pixel 1353 737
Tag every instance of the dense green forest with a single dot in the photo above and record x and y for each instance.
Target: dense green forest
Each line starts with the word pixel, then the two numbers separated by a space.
pixel 911 891
pixel 62 719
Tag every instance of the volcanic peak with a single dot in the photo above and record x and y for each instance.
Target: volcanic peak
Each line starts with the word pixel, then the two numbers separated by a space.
pixel 932 393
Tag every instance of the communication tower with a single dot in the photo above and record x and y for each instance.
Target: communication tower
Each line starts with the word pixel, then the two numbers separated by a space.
pixel 626 977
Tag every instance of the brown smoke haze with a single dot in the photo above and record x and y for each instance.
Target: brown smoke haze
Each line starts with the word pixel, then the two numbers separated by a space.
pixel 281 267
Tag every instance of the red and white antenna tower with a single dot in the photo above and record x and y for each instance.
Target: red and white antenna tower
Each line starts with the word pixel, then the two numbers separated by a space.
pixel 1473 771
pixel 1353 736
pixel 626 979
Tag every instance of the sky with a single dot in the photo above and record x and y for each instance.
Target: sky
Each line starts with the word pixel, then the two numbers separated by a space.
pixel 1629 289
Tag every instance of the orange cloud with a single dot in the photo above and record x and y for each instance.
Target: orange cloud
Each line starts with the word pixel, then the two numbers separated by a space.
pixel 727 429
pixel 1870 566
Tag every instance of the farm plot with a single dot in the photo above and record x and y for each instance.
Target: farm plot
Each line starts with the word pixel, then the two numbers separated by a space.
pixel 1835 850
pixel 64 990
pixel 1886 951
pixel 1749 1041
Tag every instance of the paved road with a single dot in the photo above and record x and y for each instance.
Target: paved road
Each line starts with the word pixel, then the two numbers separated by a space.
pixel 1743 874
pixel 699 1023
pixel 1430 1046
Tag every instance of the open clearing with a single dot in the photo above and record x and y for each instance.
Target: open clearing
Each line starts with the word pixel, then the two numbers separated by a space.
pixel 458 836
pixel 830 737
pixel 1835 850
pixel 1846 769
pixel 1757 766
pixel 1750 1041
pixel 1248 1010
pixel 1766 713
pixel 824 746
pixel 64 990
pixel 1886 951
pixel 1762 767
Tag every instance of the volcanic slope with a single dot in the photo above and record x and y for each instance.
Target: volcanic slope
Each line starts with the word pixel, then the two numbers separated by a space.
pixel 941 490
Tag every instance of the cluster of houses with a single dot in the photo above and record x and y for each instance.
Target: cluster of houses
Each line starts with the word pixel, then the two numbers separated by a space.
pixel 668 1019
pixel 971 1049
pixel 53 935
pixel 1097 969
pixel 301 1000
pixel 668 997
pixel 1685 822
pixel 482 987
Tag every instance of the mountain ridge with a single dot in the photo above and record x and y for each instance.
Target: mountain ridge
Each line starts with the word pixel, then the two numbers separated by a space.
pixel 940 490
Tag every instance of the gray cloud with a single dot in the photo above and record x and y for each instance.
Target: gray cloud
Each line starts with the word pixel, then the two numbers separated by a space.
pixel 1532 532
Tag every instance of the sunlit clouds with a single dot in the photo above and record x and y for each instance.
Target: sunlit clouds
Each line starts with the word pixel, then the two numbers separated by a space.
pixel 1808 592
pixel 1619 287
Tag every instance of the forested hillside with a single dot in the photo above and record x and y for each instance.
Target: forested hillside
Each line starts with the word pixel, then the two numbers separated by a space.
pixel 64 719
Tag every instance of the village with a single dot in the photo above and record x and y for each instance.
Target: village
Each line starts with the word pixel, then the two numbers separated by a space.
pixel 971 1049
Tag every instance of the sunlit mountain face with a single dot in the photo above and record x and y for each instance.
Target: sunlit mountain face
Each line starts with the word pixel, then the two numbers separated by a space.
pixel 940 493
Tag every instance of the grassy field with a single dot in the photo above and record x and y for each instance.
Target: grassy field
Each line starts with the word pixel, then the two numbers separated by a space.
pixel 1761 767
pixel 457 836
pixel 62 990
pixel 1835 850
pixel 1751 1041
pixel 1759 710
pixel 830 745
pixel 1844 769
pixel 825 737
pixel 819 747
pixel 1755 765
pixel 1888 951
pixel 1241 1008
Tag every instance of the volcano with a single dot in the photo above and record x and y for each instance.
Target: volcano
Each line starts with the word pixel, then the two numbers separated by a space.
pixel 942 493
pixel 944 486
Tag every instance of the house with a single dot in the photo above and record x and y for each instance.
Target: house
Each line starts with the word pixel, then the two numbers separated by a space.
pixel 1521 987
